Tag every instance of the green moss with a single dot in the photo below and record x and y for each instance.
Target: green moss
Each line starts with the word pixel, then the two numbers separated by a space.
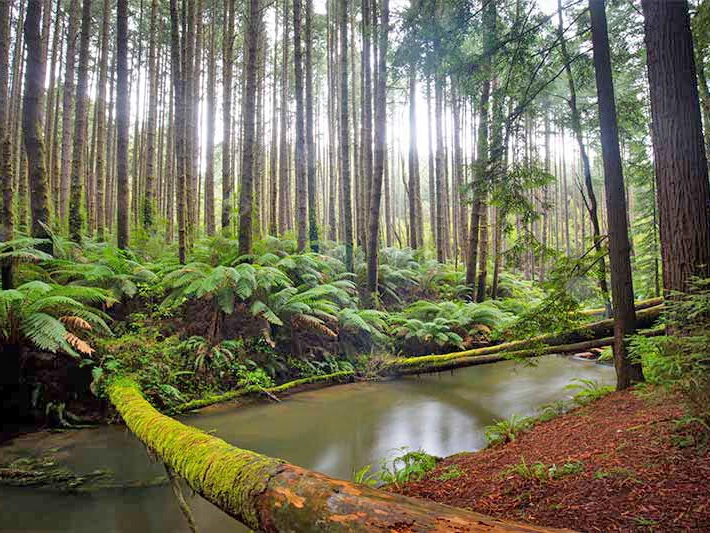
pixel 212 399
pixel 229 477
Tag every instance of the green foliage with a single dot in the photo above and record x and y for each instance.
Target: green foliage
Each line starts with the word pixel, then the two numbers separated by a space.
pixel 450 473
pixel 552 410
pixel 502 431
pixel 432 336
pixel 679 361
pixel 588 390
pixel 542 472
pixel 365 476
pixel 110 268
pixel 52 317
pixel 406 467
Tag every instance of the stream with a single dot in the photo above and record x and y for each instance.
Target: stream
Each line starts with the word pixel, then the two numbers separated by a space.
pixel 334 430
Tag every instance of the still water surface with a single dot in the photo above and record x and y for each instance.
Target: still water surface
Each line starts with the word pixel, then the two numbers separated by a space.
pixel 333 430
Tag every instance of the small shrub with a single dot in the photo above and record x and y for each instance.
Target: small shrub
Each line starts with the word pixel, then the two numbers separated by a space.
pixel 451 472
pixel 543 472
pixel 588 390
pixel 502 431
pixel 410 466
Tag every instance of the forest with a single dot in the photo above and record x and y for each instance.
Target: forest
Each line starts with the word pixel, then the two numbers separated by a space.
pixel 480 229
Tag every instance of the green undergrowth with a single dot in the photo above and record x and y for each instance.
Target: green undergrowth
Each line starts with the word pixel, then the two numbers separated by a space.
pixel 542 472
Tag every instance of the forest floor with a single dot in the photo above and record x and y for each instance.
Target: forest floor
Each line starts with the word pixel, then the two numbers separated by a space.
pixel 630 469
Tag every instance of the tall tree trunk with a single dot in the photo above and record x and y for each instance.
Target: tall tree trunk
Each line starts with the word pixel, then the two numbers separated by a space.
pixel 67 107
pixel 591 200
pixel 148 200
pixel 415 238
pixel 7 219
pixel 273 149
pixel 101 122
pixel 210 120
pixel 77 170
pixel 284 182
pixel 440 164
pixel 380 153
pixel 680 160
pixel 227 58
pixel 431 166
pixel 52 97
pixel 622 290
pixel 32 123
pixel 310 134
pixel 346 214
pixel 246 192
pixel 122 124
pixel 301 186
pixel 366 116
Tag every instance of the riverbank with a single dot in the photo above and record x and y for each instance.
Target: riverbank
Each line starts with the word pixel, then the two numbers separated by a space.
pixel 621 465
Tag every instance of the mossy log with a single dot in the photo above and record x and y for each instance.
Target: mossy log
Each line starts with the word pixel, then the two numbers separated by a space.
pixel 594 335
pixel 270 495
pixel 345 376
pixel 640 305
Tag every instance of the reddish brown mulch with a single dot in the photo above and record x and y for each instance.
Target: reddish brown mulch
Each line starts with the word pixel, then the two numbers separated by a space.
pixel 634 477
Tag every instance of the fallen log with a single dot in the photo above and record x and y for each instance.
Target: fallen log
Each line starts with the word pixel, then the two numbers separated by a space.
pixel 542 345
pixel 639 305
pixel 270 495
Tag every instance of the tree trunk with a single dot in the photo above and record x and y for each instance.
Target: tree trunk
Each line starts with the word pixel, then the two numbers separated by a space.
pixel 591 200
pixel 347 213
pixel 440 164
pixel 148 200
pixel 32 123
pixel 122 123
pixel 77 170
pixel 273 149
pixel 7 219
pixel 101 123
pixel 269 495
pixel 680 161
pixel 246 192
pixel 210 120
pixel 414 188
pixel 67 107
pixel 301 186
pixel 622 291
pixel 380 155
pixel 227 58
pixel 284 181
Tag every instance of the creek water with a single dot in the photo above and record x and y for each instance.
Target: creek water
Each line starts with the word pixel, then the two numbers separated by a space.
pixel 334 430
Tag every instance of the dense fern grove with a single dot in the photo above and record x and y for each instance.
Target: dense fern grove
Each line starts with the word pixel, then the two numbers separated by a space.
pixel 214 195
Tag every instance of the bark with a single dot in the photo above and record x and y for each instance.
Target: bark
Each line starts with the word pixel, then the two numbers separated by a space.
pixel 273 149
pixel 227 58
pixel 179 94
pixel 284 182
pixel 210 120
pixel 380 154
pixel 150 149
pixel 270 495
pixel 32 124
pixel 440 164
pixel 622 291
pixel 7 219
pixel 680 160
pixel 458 182
pixel 346 214
pixel 246 193
pixel 77 170
pixel 591 200
pixel 52 96
pixel 482 254
pixel 67 107
pixel 482 148
pixel 415 238
pixel 100 125
pixel 122 124
pixel 301 186
pixel 366 148
pixel 310 133
pixel 431 166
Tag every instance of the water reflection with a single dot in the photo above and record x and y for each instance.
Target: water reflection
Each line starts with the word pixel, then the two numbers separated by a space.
pixel 333 430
